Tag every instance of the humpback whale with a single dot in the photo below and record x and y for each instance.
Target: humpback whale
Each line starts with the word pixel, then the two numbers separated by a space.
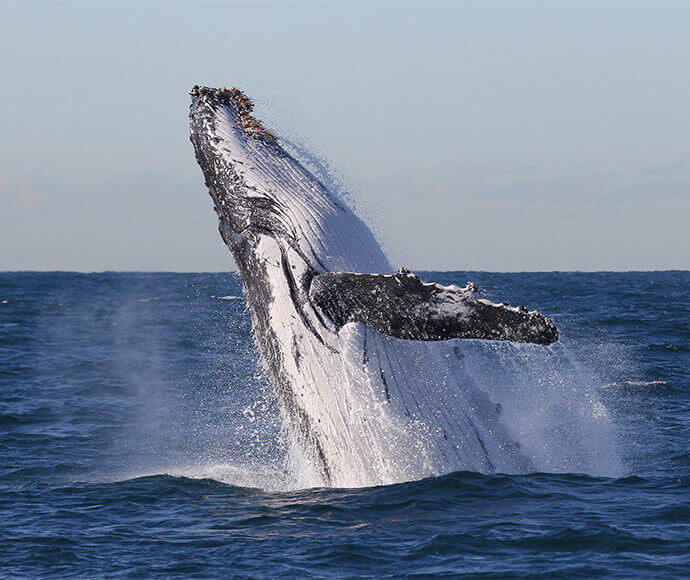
pixel 364 360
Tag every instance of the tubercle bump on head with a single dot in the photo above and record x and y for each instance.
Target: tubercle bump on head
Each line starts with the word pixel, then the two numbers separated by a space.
pixel 242 104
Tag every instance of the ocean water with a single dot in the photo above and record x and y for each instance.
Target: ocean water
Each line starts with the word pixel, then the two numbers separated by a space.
pixel 139 438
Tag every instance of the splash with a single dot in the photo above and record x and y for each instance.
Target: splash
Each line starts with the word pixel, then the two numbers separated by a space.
pixel 222 421
pixel 550 403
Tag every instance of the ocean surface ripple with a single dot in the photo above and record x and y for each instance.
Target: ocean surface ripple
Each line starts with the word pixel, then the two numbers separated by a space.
pixel 138 437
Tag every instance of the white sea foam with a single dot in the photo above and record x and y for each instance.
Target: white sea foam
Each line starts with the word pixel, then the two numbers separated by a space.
pixel 635 384
pixel 644 383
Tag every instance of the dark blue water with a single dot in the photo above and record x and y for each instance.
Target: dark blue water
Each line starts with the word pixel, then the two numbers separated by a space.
pixel 138 438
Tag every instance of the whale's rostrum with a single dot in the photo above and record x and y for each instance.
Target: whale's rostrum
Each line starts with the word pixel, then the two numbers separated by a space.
pixel 361 357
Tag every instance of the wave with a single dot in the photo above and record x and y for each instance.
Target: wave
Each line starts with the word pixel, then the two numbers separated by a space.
pixel 259 477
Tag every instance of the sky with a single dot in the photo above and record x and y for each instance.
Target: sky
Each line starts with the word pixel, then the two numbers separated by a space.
pixel 500 136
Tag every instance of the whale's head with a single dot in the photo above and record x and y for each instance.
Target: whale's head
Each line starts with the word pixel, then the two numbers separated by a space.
pixel 261 191
pixel 228 142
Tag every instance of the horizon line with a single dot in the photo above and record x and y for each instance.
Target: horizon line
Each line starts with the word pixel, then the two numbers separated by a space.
pixel 576 271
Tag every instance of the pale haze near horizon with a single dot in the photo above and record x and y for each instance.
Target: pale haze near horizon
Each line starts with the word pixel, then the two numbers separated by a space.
pixel 469 136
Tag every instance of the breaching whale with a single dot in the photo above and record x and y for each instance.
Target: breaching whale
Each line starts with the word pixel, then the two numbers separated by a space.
pixel 362 357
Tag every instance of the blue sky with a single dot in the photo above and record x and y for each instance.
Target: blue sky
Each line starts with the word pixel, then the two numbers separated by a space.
pixel 492 136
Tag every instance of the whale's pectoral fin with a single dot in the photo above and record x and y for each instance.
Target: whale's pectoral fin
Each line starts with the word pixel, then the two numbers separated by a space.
pixel 403 306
